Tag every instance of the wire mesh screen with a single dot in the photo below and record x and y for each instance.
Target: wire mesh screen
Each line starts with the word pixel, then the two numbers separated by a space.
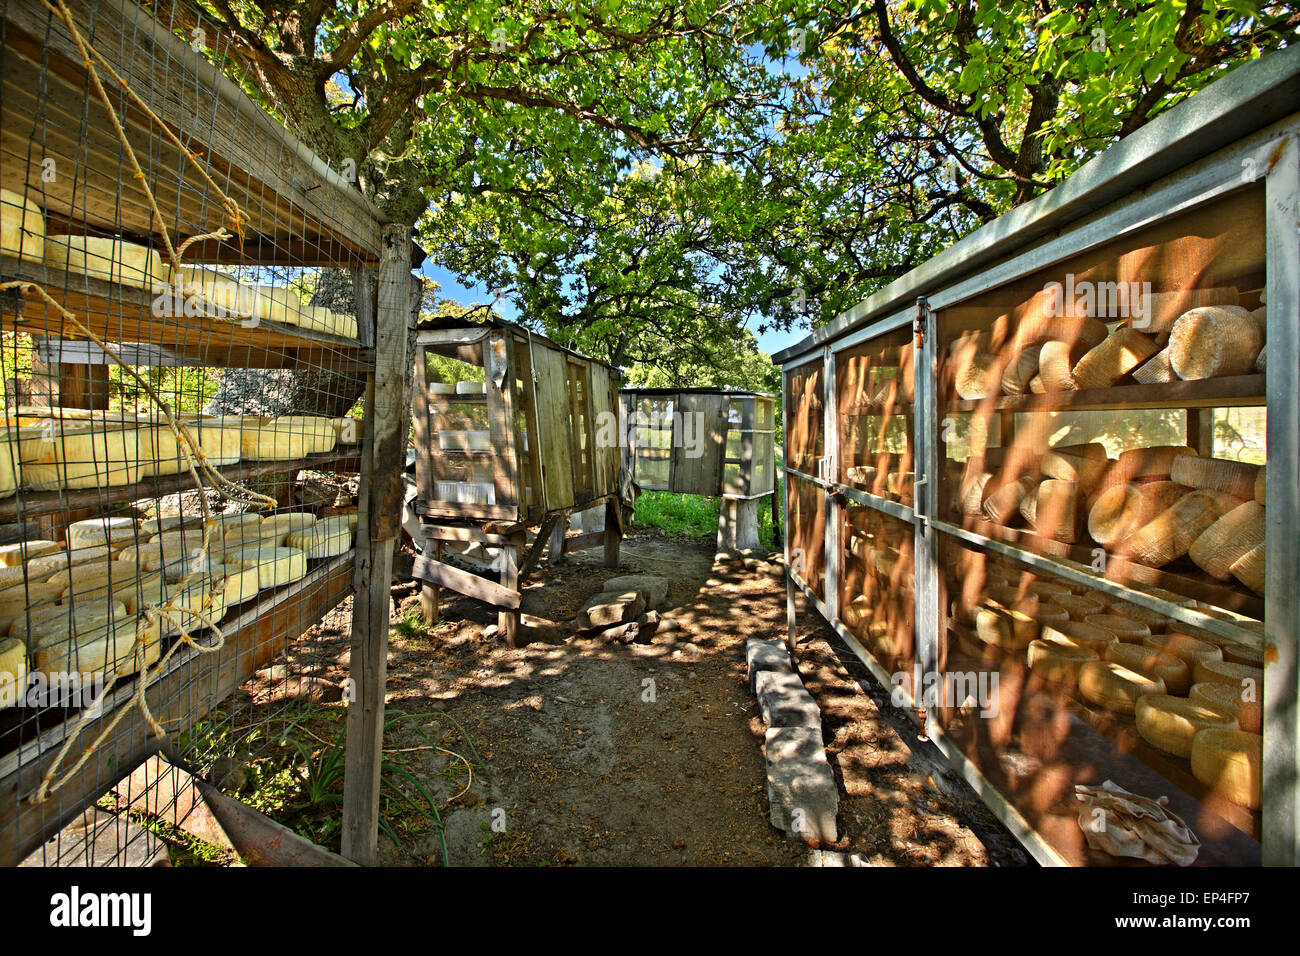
pixel 186 327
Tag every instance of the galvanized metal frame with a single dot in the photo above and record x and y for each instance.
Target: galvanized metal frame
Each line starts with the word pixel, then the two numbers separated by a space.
pixel 1271 153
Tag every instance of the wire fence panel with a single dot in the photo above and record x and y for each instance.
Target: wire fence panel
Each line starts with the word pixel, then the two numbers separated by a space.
pixel 186 339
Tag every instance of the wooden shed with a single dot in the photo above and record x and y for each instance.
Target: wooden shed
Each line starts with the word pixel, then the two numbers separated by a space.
pixel 1045 484
pixel 512 431
pixel 704 441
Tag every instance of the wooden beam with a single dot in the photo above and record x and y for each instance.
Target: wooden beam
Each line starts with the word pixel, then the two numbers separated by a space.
pixel 379 524
pixel 508 619
pixel 534 553
pixel 471 585
pixel 259 840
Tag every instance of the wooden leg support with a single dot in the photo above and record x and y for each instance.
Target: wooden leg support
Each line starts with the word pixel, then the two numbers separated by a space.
pixel 430 594
pixel 508 620
pixel 557 539
pixel 613 532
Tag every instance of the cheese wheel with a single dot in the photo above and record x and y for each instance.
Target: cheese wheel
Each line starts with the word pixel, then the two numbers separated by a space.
pixel 275 566
pixel 1002 505
pixel 22 227
pixel 118 580
pixel 1080 634
pixel 1117 355
pixel 1114 686
pixel 287 437
pixel 1058 661
pixel 1211 341
pixel 15 603
pixel 83 455
pixel 239 584
pixel 63 623
pixel 1154 463
pixel 1055 510
pixel 220 438
pixel 111 654
pixel 184 602
pixel 1170 723
pixel 109 259
pixel 1123 629
pixel 1056 361
pixel 1244 654
pixel 15 555
pixel 1083 464
pixel 1230 763
pixel 100 531
pixel 1006 628
pixel 1120 510
pixel 1175 673
pixel 151 527
pixel 1224 542
pixel 1158 311
pixel 225 523
pixel 1155 370
pixel 1049 590
pixel 1246 708
pixel 1170 534
pixel 1244 676
pixel 326 539
pixel 1187 649
pixel 1261 484
pixel 13 671
pixel 1250 569
pixel 287 522
pixel 1079 606
pixel 972 493
pixel 10 462
pixel 1235 478
pixel 218 294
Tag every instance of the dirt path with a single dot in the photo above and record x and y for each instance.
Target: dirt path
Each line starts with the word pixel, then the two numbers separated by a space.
pixel 588 753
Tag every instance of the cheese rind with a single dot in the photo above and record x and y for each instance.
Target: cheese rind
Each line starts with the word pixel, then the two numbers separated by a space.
pixel 22 227
pixel 1115 686
pixel 13 671
pixel 276 567
pixel 1249 713
pixel 100 531
pixel 109 259
pixel 1171 670
pixel 1230 762
pixel 1170 723
pixel 15 555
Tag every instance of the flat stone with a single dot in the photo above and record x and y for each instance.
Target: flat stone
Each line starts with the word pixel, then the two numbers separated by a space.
pixel 646 625
pixel 801 794
pixel 622 634
pixel 765 656
pixel 784 702
pixel 651 587
pixel 608 609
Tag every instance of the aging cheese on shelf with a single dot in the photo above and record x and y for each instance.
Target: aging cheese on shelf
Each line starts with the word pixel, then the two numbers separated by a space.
pixel 348 430
pixel 1120 510
pixel 1056 361
pixel 1154 463
pixel 15 555
pixel 1054 512
pixel 109 259
pixel 239 584
pixel 287 437
pixel 1236 478
pixel 1230 762
pixel 1170 534
pixel 13 670
pixel 186 604
pixel 1246 678
pixel 1224 542
pixel 219 294
pixel 151 527
pixel 1170 723
pixel 1017 375
pixel 219 438
pixel 111 653
pixel 48 564
pixel 1155 370
pixel 99 531
pixel 10 461
pixel 82 455
pixel 1244 654
pixel 1079 606
pixel 1246 706
pixel 1007 628
pixel 1249 569
pixel 60 622
pixel 1172 671
pixel 1123 629
pixel 134 586
pixel 275 566
pixel 1083 464
pixel 22 227
pixel 1080 634
pixel 1119 353
pixel 1115 686
pixel 326 539
pixel 1058 661
pixel 16 602
pixel 1185 648
pixel 1004 503
pixel 1261 484
pixel 1212 341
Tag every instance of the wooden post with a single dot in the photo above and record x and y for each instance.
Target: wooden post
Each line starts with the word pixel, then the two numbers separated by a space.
pixel 507 619
pixel 430 593
pixel 613 532
pixel 557 538
pixel 380 506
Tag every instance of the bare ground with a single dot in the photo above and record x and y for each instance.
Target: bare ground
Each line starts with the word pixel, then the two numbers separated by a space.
pixel 604 754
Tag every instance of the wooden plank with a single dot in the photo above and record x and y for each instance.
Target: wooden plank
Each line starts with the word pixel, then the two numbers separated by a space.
pixel 534 553
pixel 284 188
pixel 379 517
pixel 555 441
pixel 508 618
pixel 1236 390
pixel 613 532
pixel 706 416
pixel 192 685
pixel 499 392
pixel 471 585
pixel 259 840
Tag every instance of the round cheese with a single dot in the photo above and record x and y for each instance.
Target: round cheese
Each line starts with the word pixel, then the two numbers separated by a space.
pixel 1230 763
pixel 109 259
pixel 1114 686
pixel 100 531
pixel 326 539
pixel 1123 629
pixel 1228 672
pixel 1185 648
pixel 275 566
pixel 1084 635
pixel 1173 672
pixel 22 227
pixel 1169 723
pixel 14 555
pixel 111 654
pixel 1249 713
pixel 1211 341
pixel 13 671
pixel 1058 661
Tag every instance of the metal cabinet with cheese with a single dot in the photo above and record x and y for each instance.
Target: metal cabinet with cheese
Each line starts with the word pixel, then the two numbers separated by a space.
pixel 1078 459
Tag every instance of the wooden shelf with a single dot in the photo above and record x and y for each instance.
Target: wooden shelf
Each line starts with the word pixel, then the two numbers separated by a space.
pixel 1232 391
pixel 256 631
pixel 1122 571
pixel 27 504
pixel 118 313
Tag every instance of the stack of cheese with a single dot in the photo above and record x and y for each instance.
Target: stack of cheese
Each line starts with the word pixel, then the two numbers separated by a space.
pixel 112 260
pixel 223 295
pixel 22 227
pixel 287 437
